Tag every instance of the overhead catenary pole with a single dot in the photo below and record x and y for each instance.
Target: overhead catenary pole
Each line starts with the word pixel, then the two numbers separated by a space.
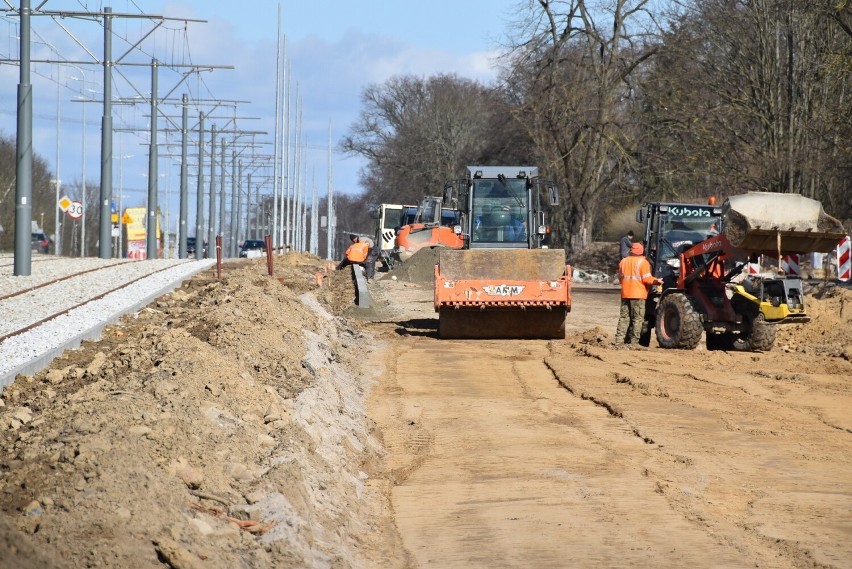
pixel 211 218
pixel 105 234
pixel 222 193
pixel 24 155
pixel 232 243
pixel 83 193
pixel 276 169
pixel 184 197
pixel 153 173
pixel 304 194
pixel 57 211
pixel 330 225
pixel 290 172
pixel 199 193
pixel 297 171
pixel 222 197
pixel 261 202
pixel 238 230
pixel 314 218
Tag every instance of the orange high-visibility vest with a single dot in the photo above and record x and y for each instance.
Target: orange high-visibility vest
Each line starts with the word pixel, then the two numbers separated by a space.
pixel 634 273
pixel 357 252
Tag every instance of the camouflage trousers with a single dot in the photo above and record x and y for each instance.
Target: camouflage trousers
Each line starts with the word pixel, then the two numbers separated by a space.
pixel 630 319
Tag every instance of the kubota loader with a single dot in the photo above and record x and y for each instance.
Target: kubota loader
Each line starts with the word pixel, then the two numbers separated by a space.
pixel 504 282
pixel 700 253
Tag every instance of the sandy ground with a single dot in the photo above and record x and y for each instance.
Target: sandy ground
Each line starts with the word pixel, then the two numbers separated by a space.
pixel 266 422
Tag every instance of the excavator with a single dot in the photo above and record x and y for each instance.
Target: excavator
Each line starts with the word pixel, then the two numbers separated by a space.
pixel 432 226
pixel 700 252
pixel 503 281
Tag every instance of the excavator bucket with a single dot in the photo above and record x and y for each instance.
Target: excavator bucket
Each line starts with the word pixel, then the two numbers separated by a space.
pixel 766 222
pixel 502 293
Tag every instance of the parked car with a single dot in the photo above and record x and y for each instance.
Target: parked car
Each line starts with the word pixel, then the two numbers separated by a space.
pixel 252 248
pixel 190 247
pixel 41 242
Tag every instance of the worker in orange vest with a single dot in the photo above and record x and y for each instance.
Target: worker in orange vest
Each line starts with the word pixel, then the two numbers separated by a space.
pixel 357 254
pixel 634 274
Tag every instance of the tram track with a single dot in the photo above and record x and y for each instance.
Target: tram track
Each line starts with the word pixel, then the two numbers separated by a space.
pixel 43 320
pixel 54 281
pixel 28 327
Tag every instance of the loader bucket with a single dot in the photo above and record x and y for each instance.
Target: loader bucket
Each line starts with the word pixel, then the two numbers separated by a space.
pixel 502 293
pixel 755 221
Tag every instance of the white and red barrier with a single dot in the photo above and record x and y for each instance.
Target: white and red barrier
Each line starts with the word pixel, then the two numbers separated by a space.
pixel 790 264
pixel 753 269
pixel 844 259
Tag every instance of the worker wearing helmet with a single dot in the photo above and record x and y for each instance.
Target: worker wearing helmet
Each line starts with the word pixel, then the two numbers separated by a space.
pixel 634 274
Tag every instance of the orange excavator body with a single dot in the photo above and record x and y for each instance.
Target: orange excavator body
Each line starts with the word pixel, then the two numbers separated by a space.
pixel 412 238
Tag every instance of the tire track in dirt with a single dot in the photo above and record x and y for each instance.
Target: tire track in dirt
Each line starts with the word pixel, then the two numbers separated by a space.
pixel 757 467
pixel 518 472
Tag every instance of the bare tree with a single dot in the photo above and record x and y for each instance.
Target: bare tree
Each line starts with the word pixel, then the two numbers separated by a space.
pixel 418 133
pixel 750 95
pixel 574 69
pixel 43 198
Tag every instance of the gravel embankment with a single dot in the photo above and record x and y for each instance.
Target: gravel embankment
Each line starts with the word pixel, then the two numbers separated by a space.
pixel 32 350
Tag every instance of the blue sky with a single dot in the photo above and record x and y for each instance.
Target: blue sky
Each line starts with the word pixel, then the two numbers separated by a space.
pixel 335 49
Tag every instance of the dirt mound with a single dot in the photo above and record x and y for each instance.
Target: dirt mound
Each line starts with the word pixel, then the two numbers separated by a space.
pixel 223 426
pixel 598 256
pixel 420 268
pixel 830 330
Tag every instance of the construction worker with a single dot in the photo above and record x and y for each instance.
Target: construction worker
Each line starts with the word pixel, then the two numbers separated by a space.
pixel 372 256
pixel 634 274
pixel 357 254
pixel 625 244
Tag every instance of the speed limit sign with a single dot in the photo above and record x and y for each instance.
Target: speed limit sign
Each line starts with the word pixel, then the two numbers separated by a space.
pixel 75 210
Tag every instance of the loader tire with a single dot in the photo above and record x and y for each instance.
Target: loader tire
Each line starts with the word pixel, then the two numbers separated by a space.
pixel 678 323
pixel 759 339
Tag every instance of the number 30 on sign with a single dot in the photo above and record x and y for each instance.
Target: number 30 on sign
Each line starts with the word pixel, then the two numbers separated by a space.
pixel 75 210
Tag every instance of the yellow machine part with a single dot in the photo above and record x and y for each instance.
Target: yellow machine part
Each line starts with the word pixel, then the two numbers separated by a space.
pixel 502 293
pixel 781 314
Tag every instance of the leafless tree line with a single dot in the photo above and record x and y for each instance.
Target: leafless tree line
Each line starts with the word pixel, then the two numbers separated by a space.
pixel 624 100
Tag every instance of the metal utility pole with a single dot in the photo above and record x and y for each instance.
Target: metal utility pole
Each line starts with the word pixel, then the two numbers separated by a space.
pixel 57 211
pixel 199 193
pixel 105 235
pixel 276 160
pixel 330 224
pixel 222 196
pixel 151 228
pixel 184 197
pixel 314 217
pixel 24 155
pixel 211 221
pixel 238 230
pixel 24 159
pixel 232 244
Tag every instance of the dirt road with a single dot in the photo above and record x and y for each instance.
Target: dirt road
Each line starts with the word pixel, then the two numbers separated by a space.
pixel 574 454
pixel 242 422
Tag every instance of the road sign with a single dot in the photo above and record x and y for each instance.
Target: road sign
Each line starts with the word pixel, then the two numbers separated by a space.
pixel 75 210
pixel 65 203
